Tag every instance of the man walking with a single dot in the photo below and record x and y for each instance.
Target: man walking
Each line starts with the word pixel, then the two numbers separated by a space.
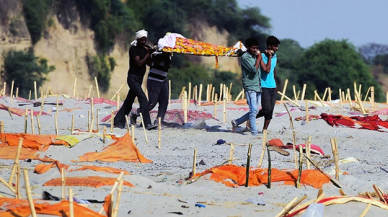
pixel 139 55
pixel 251 61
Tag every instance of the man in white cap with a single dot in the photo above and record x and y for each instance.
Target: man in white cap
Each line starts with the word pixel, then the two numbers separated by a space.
pixel 139 55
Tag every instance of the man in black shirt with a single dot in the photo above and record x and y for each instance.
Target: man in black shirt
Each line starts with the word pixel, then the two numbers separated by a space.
pixel 139 55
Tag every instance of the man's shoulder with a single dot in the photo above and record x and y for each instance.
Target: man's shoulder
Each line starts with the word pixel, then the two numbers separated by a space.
pixel 246 55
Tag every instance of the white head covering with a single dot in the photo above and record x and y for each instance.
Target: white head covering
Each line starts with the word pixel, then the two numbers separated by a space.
pixel 139 34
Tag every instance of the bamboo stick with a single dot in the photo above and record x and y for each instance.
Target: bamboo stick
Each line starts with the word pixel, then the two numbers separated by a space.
pixel 231 152
pixel 25 120
pixel 41 107
pixel 56 124
pixel 194 163
pixel 289 115
pixel 307 112
pixel 17 194
pixel 169 93
pixel 212 96
pixel 300 166
pixel 224 110
pixel 184 105
pixel 97 124
pixel 284 90
pixel 324 95
pixel 127 123
pixel 104 134
pixel 113 188
pixel 119 190
pixel 63 179
pixel 239 95
pixel 372 97
pixel 215 106
pixel 335 182
pixel 221 91
pixel 74 87
pixel 349 98
pixel 181 94
pixel 294 205
pixel 38 122
pixel 159 132
pixel 1 126
pixel 281 213
pixel 335 157
pixel 29 96
pixel 340 97
pixel 288 98
pixel 207 93
pixel 308 151
pixel 16 162
pixel 97 89
pixel 32 121
pixel 200 95
pixel 17 92
pixel 329 94
pixel 366 210
pixel 5 88
pixel 118 91
pixel 35 91
pixel 118 101
pixel 71 203
pixel 379 194
pixel 28 191
pixel 294 148
pixel 366 95
pixel 11 95
pixel 294 90
pixel 269 166
pixel 133 133
pixel 319 98
pixel 7 185
pixel 144 129
pixel 264 142
pixel 248 165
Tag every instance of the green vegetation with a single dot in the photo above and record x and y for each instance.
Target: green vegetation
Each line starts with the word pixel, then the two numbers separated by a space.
pixel 24 68
pixel 101 67
pixel 35 13
pixel 334 64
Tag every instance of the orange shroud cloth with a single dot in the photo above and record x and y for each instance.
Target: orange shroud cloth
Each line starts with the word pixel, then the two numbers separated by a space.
pixel 259 176
pixel 90 181
pixel 241 102
pixel 20 208
pixel 9 152
pixel 42 168
pixel 30 140
pixel 103 169
pixel 121 150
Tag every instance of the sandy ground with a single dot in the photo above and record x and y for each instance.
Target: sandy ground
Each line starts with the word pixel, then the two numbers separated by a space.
pixel 157 189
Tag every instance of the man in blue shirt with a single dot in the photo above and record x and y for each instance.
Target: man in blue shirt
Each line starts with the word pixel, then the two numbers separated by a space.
pixel 268 83
pixel 251 61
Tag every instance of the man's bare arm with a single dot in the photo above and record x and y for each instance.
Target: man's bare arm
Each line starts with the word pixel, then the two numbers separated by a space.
pixel 264 67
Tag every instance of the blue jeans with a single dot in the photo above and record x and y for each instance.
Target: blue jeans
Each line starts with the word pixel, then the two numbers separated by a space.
pixel 253 100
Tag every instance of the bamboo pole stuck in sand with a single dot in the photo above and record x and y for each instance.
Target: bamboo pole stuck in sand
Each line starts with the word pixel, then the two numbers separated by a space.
pixel 39 126
pixel 189 95
pixel 133 133
pixel 90 91
pixel 144 129
pixel 71 203
pixel 207 93
pixel 200 95
pixel 111 121
pixel 294 205
pixel 319 98
pixel 212 96
pixel 127 122
pixel 97 89
pixel 379 193
pixel 25 120
pixel 169 93
pixel 307 112
pixel 294 148
pixel 63 179
pixel 17 92
pixel 284 90
pixel 28 191
pixel 72 125
pixel 366 210
pixel 289 115
pixel 231 153
pixel 11 94
pixel 215 106
pixel 32 121
pixel 269 166
pixel 5 88
pixel 29 96
pixel 288 98
pixel 349 98
pixel 181 94
pixel 335 157
pixel 329 94
pixel 1 126
pixel 264 142
pixel 194 171
pixel 289 204
pixel 41 107
pixel 372 98
pixel 35 91
pixel 308 151
pixel 221 91
pixel 340 97
pixel 16 162
pixel 238 96
pixel 118 91
pixel 295 95
pixel 248 165
pixel 224 110
pixel 159 132
pixel 300 167
pixel 335 182
pixel 104 134
pixel 119 190
pixel 56 125
pixel 366 95
pixel 114 187
pixel 17 193
pixel 97 124
pixel 118 101
pixel 324 95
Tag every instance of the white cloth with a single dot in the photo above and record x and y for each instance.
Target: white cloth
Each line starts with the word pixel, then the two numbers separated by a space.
pixel 139 34
pixel 168 40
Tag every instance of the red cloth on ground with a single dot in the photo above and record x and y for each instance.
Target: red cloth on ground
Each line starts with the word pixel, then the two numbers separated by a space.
pixel 369 122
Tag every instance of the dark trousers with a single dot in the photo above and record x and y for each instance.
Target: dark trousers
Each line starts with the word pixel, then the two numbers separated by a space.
pixel 268 100
pixel 134 83
pixel 158 93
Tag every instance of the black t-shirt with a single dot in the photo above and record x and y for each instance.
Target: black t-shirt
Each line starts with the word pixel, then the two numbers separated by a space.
pixel 135 51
